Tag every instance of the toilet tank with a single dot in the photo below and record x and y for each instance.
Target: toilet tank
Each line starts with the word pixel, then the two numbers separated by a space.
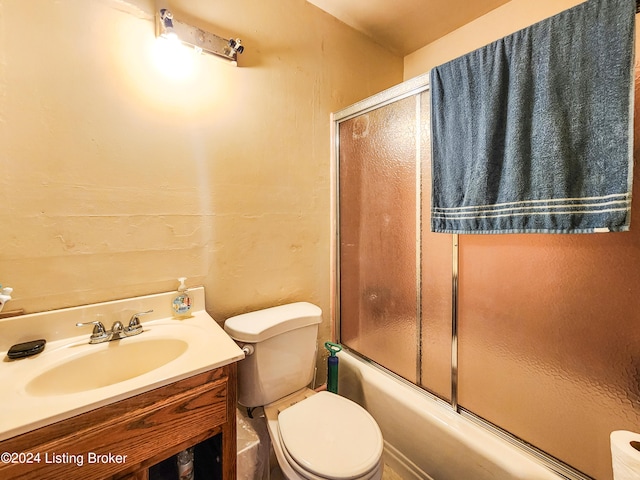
pixel 284 341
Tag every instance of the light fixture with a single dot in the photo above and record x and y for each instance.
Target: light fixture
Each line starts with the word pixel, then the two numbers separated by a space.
pixel 202 41
pixel 165 24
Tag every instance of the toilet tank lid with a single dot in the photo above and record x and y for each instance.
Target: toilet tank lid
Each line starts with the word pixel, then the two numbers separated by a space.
pixel 260 325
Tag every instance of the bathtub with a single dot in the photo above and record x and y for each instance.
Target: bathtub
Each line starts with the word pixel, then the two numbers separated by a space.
pixel 425 439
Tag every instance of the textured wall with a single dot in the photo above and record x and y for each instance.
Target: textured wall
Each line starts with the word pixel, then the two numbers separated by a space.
pixel 504 20
pixel 118 175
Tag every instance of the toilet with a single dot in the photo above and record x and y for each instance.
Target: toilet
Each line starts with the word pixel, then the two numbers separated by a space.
pixel 315 435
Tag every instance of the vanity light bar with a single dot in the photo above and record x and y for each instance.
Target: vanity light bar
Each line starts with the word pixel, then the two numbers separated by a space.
pixel 201 40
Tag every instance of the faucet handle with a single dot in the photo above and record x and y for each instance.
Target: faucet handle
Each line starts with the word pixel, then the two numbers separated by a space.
pixel 98 329
pixel 134 322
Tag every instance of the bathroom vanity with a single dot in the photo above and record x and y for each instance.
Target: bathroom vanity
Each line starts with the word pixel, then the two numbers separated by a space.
pixel 60 422
pixel 122 440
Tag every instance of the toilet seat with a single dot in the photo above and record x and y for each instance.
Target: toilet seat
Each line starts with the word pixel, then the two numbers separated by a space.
pixel 327 436
pixel 374 474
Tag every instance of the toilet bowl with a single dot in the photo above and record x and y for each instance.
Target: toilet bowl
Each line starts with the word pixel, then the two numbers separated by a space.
pixel 324 436
pixel 315 436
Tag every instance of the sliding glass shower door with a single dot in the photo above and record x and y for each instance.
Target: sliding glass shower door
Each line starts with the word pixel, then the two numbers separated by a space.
pixel 378 236
pixel 535 336
pixel 392 306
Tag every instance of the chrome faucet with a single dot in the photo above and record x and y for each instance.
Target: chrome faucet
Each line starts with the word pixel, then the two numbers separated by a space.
pixel 118 330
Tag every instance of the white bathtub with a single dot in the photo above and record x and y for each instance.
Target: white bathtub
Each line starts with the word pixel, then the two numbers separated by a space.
pixel 426 439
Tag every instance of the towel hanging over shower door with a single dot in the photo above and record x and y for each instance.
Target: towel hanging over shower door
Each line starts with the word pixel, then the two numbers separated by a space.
pixel 534 132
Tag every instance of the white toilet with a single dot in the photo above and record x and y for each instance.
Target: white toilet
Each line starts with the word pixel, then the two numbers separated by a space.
pixel 315 436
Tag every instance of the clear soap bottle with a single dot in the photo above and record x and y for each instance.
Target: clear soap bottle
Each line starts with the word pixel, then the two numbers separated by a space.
pixel 182 302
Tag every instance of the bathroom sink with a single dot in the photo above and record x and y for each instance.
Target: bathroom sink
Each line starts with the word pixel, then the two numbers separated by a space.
pixel 72 376
pixel 114 362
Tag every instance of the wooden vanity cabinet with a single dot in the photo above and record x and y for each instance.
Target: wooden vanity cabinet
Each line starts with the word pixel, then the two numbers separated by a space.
pixel 122 440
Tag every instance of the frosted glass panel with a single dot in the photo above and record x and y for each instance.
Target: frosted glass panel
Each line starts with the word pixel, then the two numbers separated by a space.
pixel 549 337
pixel 436 261
pixel 377 215
pixel 549 330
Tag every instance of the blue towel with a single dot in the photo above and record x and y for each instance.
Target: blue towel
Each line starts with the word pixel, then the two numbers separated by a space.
pixel 534 132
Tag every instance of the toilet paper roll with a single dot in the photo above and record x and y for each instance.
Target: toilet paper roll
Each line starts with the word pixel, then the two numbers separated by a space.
pixel 625 455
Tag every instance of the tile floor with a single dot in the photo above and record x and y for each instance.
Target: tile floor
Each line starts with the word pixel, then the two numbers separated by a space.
pixel 389 474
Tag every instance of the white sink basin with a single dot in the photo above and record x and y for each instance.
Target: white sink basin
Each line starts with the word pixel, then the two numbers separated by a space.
pixel 115 362
pixel 72 376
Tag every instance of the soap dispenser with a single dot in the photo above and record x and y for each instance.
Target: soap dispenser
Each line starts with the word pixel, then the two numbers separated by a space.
pixel 182 302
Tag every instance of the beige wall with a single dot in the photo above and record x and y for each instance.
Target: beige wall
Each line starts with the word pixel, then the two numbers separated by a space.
pixel 117 178
pixel 504 20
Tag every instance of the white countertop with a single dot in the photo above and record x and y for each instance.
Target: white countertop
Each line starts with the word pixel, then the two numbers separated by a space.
pixel 21 410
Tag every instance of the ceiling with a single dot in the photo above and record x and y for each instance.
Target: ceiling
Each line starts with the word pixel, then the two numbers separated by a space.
pixel 404 26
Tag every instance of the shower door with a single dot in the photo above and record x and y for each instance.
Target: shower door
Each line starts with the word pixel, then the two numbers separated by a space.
pixel 533 336
pixel 391 306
